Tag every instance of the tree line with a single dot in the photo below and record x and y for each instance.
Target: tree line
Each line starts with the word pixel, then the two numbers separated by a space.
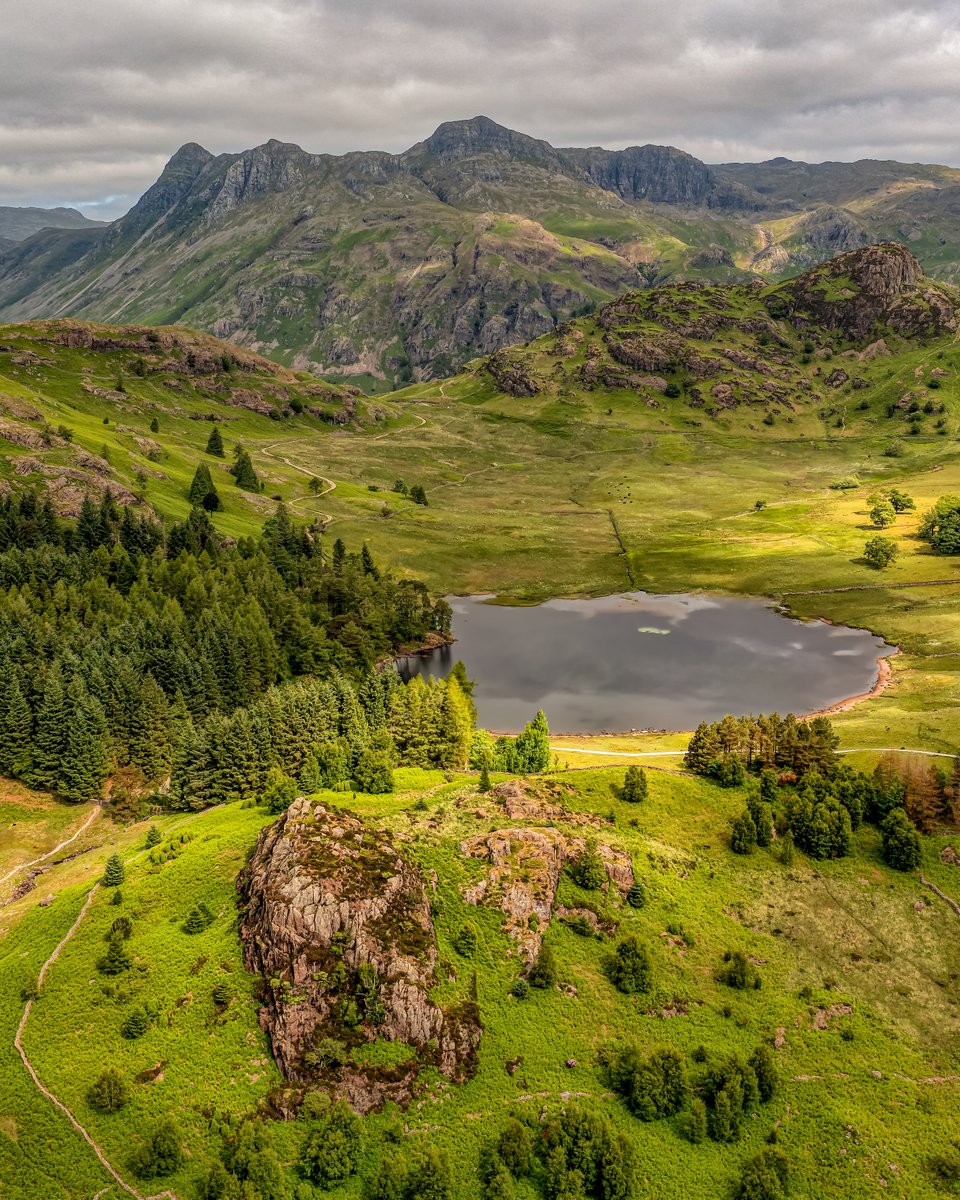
pixel 132 651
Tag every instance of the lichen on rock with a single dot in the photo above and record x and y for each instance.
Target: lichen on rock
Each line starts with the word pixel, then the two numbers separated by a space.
pixel 337 923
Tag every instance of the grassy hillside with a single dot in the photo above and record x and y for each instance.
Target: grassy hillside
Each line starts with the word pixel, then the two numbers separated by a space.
pixel 859 992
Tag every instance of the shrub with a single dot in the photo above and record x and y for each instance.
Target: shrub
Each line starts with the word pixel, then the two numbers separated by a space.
pixel 331 1153
pixel 221 994
pixel 154 837
pixel 520 989
pixel 654 1087
pixel 543 973
pixel 765 1177
pixel 589 871
pixel 695 1126
pixel 198 919
pixel 108 1092
pixel 628 968
pixel 279 792
pixel 739 972
pixel 634 785
pixel 465 943
pixel 161 1154
pixel 120 930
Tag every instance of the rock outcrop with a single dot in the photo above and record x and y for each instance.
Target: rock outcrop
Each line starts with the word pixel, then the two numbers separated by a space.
pixel 881 285
pixel 525 866
pixel 337 923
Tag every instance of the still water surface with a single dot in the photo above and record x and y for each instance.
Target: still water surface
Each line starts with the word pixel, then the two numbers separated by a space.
pixel 639 661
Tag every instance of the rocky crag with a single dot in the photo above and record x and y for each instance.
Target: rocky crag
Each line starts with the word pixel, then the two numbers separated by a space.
pixel 336 921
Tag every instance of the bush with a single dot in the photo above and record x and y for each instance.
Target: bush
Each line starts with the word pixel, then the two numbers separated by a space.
pixel 589 871
pixel 634 785
pixel 374 772
pixel 543 973
pixel 520 989
pixel 109 1092
pixel 331 1153
pixel 695 1126
pixel 465 943
pixel 154 837
pixel 221 994
pixel 161 1154
pixel 279 792
pixel 766 1176
pixel 739 972
pixel 653 1088
pixel 198 919
pixel 628 968
pixel 901 842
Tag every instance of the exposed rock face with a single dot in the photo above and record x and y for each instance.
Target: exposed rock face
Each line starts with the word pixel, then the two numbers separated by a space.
pixel 338 924
pixel 882 284
pixel 525 869
pixel 511 375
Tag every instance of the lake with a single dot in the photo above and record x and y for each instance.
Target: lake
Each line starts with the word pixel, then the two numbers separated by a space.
pixel 639 661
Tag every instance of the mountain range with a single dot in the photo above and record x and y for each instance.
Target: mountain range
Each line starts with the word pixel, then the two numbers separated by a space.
pixel 382 268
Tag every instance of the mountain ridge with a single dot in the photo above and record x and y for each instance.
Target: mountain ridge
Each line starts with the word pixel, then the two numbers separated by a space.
pixel 383 268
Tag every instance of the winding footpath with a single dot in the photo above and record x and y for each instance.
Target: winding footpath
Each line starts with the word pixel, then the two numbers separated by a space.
pixel 59 846
pixel 18 1036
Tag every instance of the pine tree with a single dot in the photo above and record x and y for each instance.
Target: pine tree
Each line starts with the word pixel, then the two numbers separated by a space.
pixel 202 491
pixel 135 1024
pixel 154 425
pixel 115 961
pixel 154 837
pixel 243 473
pixel 149 740
pixel 367 563
pixel 50 732
pixel 16 730
pixel 109 1092
pixel 215 443
pixel 114 872
pixel 484 784
pixel 84 767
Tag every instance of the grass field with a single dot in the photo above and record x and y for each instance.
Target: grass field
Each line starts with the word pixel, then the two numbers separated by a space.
pixel 868 1097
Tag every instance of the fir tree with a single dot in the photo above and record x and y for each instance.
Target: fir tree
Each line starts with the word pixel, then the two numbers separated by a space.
pixel 16 730
pixel 367 563
pixel 202 491
pixel 135 1024
pixel 84 766
pixel 154 425
pixel 484 784
pixel 154 837
pixel 50 732
pixel 114 873
pixel 115 961
pixel 149 743
pixel 243 473
pixel 215 443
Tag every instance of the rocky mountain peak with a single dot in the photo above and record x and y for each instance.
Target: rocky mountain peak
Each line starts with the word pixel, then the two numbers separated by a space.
pixel 454 140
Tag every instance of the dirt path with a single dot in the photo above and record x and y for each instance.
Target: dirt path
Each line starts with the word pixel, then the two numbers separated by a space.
pixel 676 753
pixel 59 846
pixel 18 1036
pixel 18 1044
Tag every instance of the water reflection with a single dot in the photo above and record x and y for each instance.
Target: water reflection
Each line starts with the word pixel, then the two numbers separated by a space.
pixel 647 662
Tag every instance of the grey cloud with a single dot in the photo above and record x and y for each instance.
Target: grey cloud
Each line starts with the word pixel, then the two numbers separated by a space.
pixel 93 108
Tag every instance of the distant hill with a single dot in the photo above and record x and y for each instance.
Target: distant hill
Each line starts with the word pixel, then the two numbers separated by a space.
pixel 381 269
pixel 17 224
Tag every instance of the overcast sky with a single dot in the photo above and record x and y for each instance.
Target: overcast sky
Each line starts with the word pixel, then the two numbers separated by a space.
pixel 95 97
